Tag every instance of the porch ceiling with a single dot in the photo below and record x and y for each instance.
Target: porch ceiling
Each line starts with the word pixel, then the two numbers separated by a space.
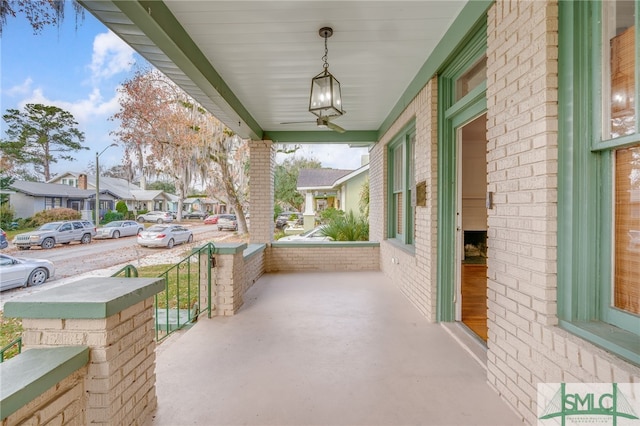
pixel 250 62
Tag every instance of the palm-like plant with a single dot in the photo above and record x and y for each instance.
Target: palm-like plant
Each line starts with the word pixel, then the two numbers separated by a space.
pixel 348 227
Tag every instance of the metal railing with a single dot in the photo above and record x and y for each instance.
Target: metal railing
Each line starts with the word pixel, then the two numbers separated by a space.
pixel 183 302
pixel 128 271
pixel 15 343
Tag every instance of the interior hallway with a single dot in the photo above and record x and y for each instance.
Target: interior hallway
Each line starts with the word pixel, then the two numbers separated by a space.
pixel 323 349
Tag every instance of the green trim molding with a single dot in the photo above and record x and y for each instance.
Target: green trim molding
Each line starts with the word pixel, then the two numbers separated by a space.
pixel 25 377
pixel 89 298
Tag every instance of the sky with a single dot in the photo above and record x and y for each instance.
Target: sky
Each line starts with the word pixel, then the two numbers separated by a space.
pixel 78 68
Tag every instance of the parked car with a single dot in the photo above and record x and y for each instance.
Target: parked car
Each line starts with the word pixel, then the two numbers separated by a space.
pixel 284 217
pixel 119 228
pixel 165 236
pixel 211 220
pixel 313 235
pixel 4 243
pixel 17 272
pixel 194 215
pixel 227 222
pixel 155 216
pixel 52 233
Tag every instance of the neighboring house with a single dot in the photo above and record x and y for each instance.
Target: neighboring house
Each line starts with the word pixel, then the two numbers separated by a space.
pixel 206 205
pixel 30 198
pixel 330 188
pixel 135 197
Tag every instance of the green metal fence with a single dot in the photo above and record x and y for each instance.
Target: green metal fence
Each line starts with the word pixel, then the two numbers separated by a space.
pixel 12 349
pixel 184 299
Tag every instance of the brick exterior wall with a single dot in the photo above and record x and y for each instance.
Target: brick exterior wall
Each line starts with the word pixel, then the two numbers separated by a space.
pixel 262 159
pixel 62 404
pixel 414 273
pixel 322 258
pixel 120 381
pixel 525 346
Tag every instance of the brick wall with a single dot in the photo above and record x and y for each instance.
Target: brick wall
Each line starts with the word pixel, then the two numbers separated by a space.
pixel 415 271
pixel 525 345
pixel 322 257
pixel 62 404
pixel 262 157
pixel 120 381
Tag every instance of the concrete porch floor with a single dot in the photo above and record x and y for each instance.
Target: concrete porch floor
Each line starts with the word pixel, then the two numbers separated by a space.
pixel 323 349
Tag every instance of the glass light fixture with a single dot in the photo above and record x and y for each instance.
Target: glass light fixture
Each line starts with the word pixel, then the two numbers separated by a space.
pixel 326 97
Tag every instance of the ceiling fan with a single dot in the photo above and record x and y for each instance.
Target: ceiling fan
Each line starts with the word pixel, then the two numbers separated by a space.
pixel 326 97
pixel 323 122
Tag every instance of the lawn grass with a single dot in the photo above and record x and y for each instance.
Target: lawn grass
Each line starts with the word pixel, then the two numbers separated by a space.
pixel 10 329
pixel 182 289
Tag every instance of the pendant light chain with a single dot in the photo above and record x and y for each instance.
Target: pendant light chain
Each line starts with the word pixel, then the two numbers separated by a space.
pixel 326 54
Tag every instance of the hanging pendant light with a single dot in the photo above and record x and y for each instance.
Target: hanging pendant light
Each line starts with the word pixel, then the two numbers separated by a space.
pixel 326 97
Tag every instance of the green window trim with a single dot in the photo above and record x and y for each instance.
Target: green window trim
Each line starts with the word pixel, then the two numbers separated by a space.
pixel 401 165
pixel 451 115
pixel 585 219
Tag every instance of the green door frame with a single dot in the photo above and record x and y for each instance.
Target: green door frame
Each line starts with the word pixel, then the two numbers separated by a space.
pixel 451 115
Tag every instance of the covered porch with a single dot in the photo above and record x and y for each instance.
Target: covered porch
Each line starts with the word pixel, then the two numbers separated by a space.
pixel 324 348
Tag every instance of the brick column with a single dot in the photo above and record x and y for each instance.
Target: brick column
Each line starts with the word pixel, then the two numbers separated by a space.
pixel 114 318
pixel 262 159
pixel 228 284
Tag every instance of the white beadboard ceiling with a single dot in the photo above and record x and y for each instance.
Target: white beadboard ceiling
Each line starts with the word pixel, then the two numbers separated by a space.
pixel 267 52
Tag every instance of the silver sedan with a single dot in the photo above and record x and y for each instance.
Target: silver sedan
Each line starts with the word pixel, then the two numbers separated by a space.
pixel 119 228
pixel 165 236
pixel 18 272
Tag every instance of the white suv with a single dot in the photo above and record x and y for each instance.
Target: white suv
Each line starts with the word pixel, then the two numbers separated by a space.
pixel 155 216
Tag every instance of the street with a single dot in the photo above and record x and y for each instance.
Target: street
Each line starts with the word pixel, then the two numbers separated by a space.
pixel 76 259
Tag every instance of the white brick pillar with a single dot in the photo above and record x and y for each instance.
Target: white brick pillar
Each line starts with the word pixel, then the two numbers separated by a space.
pixel 261 191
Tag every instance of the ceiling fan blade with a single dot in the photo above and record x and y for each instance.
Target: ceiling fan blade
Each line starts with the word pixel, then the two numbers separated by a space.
pixel 335 127
pixel 297 122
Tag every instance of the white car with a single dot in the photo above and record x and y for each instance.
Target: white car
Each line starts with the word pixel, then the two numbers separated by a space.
pixel 165 236
pixel 17 272
pixel 119 228
pixel 313 235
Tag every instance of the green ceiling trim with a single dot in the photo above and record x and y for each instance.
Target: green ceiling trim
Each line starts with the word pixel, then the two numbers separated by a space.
pixel 160 26
pixel 472 13
pixel 322 136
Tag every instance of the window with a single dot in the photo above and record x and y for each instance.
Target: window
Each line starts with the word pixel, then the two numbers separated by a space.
pixel 599 174
pixel 52 203
pixel 70 181
pixel 402 180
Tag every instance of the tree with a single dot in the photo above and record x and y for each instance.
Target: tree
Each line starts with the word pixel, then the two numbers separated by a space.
pixel 167 187
pixel 40 136
pixel 39 13
pixel 286 181
pixel 167 133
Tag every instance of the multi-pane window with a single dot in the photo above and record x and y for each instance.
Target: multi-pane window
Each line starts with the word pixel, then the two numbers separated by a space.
pixel 599 175
pixel 401 163
pixel 621 167
pixel 52 202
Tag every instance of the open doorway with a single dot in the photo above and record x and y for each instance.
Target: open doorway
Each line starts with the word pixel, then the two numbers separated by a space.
pixel 471 227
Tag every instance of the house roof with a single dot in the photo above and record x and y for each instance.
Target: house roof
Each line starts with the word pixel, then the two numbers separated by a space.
pixel 121 188
pixel 351 175
pixel 146 195
pixel 319 178
pixel 43 189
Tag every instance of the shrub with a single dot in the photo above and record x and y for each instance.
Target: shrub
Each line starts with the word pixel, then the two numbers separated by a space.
pixel 121 207
pixel 111 216
pixel 348 227
pixel 6 215
pixel 53 215
pixel 331 214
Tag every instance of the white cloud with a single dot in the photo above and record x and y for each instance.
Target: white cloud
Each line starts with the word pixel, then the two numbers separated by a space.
pixel 21 89
pixel 84 110
pixel 111 56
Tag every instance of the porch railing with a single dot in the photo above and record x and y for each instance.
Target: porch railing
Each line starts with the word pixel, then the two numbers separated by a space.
pixel 15 344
